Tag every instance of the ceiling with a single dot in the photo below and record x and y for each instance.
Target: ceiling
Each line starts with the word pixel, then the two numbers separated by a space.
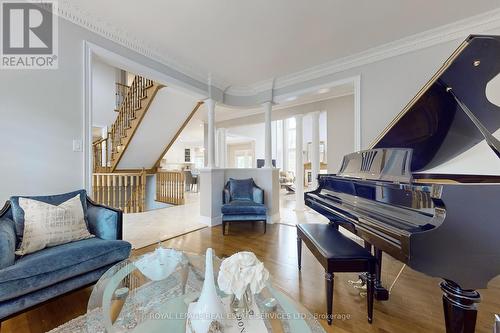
pixel 242 43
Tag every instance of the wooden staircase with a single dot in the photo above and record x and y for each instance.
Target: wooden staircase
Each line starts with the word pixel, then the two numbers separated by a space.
pixel 113 183
pixel 125 191
pixel 109 150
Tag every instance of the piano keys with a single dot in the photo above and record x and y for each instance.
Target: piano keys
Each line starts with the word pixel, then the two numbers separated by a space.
pixel 427 192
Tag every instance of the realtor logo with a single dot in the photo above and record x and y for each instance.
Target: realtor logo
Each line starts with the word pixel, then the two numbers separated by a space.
pixel 29 35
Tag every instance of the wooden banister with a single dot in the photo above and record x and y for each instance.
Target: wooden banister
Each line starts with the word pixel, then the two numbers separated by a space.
pixel 136 100
pixel 126 191
pixel 121 92
pixel 170 186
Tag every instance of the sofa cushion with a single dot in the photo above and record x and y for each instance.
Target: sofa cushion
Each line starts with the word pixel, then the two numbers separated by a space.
pixel 18 212
pixel 15 305
pixel 244 207
pixel 52 265
pixel 241 189
pixel 7 242
pixel 104 222
pixel 47 225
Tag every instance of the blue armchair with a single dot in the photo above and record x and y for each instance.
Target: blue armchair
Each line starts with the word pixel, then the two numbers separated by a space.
pixel 242 201
pixel 40 276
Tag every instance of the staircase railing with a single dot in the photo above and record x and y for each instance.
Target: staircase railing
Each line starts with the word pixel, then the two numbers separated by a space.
pixel 126 191
pixel 170 187
pixel 127 112
pixel 107 150
pixel 101 155
pixel 121 92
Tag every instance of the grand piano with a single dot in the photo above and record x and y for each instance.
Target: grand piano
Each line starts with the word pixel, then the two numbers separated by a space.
pixel 427 192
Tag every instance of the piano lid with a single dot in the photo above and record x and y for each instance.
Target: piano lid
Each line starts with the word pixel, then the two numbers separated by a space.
pixel 451 114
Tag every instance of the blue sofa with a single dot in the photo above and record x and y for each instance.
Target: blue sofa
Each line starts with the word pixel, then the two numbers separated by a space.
pixel 40 276
pixel 242 201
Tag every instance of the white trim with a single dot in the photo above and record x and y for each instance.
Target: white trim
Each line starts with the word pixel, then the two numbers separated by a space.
pixel 87 117
pixel 211 221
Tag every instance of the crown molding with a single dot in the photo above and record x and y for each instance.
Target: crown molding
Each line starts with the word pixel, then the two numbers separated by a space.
pixel 456 30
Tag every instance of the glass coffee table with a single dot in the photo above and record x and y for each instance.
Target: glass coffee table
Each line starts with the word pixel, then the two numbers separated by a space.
pixel 132 297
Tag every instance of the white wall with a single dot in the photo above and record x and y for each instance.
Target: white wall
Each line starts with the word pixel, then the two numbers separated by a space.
pixel 340 123
pixel 257 135
pixel 388 85
pixel 212 183
pixel 175 154
pixel 343 138
pixel 307 128
pixel 104 77
pixel 254 132
pixel 42 111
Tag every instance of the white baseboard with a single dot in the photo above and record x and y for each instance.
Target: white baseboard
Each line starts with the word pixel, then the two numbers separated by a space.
pixel 211 221
pixel 273 218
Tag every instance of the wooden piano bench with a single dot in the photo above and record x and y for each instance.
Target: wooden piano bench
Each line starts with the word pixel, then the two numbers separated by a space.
pixel 338 254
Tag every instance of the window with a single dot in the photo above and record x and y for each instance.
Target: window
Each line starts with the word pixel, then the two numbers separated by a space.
pixel 243 158
pixel 291 143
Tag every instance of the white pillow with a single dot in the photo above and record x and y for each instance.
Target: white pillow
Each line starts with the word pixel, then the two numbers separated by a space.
pixel 47 225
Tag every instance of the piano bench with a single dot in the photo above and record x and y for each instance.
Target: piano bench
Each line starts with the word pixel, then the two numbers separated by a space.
pixel 337 254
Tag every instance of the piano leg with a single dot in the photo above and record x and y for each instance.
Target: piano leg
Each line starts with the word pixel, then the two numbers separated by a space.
pixel 460 308
pixel 299 252
pixel 381 294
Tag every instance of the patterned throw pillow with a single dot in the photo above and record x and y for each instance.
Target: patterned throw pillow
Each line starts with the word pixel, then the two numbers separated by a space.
pixel 46 225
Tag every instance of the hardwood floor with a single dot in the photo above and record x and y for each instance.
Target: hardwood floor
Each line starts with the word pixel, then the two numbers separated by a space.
pixel 414 305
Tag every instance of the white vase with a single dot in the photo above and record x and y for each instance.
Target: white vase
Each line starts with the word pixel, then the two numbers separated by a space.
pixel 159 264
pixel 208 314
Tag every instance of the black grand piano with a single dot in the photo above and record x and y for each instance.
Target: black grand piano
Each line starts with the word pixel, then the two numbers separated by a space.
pixel 428 191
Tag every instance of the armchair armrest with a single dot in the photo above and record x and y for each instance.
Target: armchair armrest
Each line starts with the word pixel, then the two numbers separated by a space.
pixel 104 222
pixel 258 195
pixel 7 242
pixel 226 196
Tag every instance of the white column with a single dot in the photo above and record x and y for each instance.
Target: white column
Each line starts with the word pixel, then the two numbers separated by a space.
pixel 299 166
pixel 211 132
pixel 221 147
pixel 286 167
pixel 268 140
pixel 315 164
pixel 205 145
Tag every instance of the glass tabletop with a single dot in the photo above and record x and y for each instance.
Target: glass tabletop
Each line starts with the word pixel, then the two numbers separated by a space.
pixel 142 295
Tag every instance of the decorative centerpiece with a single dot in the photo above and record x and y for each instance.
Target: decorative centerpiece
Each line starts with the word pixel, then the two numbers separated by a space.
pixel 242 275
pixel 160 263
pixel 207 314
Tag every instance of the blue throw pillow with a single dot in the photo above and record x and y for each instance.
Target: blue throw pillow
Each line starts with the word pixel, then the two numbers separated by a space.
pixel 241 189
pixel 18 212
